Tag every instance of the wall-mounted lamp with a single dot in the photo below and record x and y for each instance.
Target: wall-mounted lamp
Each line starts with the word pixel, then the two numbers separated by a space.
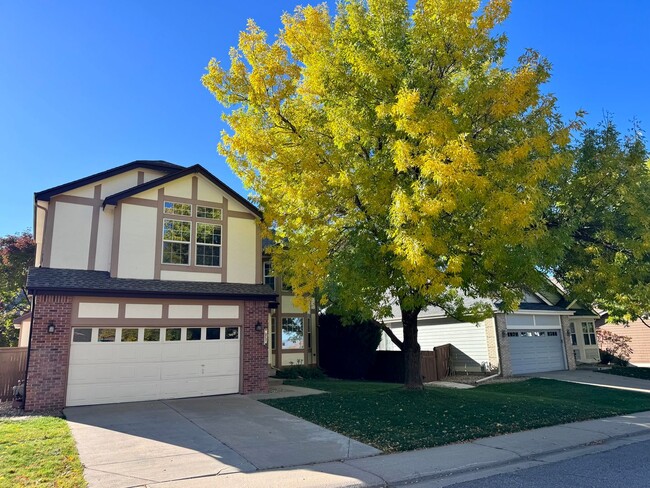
pixel 51 327
pixel 273 305
pixel 503 333
pixel 258 326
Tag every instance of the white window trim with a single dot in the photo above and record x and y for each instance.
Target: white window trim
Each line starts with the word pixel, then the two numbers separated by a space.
pixel 197 244
pixel 189 244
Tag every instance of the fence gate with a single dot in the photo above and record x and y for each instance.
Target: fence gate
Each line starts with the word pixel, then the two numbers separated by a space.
pixel 13 364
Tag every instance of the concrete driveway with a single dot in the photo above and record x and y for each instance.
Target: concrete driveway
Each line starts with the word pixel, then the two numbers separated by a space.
pixel 594 378
pixel 137 444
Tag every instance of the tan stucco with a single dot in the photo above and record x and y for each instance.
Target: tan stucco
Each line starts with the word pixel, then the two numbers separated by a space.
pixel 223 312
pixel 190 276
pixel 241 241
pixel 71 236
pixel 94 310
pixel 104 239
pixel 137 242
pixel 208 192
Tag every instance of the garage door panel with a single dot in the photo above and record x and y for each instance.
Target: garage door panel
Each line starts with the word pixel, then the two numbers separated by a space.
pixel 535 351
pixel 137 371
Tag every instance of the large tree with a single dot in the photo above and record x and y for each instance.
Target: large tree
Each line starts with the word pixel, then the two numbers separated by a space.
pixel 395 157
pixel 16 256
pixel 603 208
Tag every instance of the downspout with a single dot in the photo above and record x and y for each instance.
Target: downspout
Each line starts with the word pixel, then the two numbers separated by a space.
pixel 29 349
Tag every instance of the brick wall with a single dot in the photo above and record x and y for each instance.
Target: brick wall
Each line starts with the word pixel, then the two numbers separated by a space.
pixel 48 358
pixel 255 374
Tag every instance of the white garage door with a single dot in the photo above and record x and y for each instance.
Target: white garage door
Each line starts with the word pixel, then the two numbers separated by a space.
pixel 113 365
pixel 534 351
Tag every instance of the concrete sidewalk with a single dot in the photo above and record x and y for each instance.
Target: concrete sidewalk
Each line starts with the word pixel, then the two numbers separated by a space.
pixel 525 448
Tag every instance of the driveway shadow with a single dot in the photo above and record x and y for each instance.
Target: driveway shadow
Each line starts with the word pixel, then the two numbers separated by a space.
pixel 132 444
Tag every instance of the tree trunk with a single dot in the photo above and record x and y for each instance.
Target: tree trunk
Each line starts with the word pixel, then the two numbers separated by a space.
pixel 411 349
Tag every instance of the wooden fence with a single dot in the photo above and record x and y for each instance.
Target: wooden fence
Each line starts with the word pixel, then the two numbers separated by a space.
pixel 389 365
pixel 13 363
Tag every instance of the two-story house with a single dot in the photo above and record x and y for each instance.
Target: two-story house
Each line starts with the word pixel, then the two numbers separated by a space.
pixel 150 283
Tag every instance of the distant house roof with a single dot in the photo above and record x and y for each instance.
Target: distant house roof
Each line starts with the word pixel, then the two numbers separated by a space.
pixel 19 320
pixel 542 307
pixel 92 283
pixel 45 195
pixel 197 168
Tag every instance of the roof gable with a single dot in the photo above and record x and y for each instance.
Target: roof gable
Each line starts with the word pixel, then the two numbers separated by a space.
pixel 164 166
pixel 197 168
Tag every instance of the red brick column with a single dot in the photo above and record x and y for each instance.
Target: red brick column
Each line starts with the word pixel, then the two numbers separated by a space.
pixel 48 358
pixel 255 368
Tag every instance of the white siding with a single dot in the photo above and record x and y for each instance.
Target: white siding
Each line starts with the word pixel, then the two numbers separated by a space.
pixel 469 351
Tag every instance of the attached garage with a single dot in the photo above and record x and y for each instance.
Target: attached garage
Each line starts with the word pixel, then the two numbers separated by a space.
pixel 536 343
pixel 126 364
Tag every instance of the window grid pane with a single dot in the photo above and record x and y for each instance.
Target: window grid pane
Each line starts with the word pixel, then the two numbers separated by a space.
pixel 208 244
pixel 208 213
pixel 172 208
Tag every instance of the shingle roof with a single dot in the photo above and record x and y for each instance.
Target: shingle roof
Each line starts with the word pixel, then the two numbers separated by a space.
pixel 197 168
pixel 82 282
pixel 45 195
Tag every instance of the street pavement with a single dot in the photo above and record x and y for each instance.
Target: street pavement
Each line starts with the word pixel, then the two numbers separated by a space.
pixel 622 466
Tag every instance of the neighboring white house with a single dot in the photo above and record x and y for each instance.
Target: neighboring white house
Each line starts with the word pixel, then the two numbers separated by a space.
pixel 544 334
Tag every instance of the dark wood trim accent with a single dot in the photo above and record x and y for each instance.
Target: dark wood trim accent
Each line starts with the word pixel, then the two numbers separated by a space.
pixel 94 228
pixel 195 188
pixel 115 250
pixel 48 233
pixel 76 200
pixel 241 215
pixel 159 228
pixel 140 177
pixel 224 241
pixel 143 202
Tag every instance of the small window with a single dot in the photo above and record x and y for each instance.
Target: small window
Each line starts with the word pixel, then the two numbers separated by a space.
pixel 540 334
pixel 552 333
pixel 574 336
pixel 82 335
pixel 274 326
pixel 269 277
pixel 151 335
pixel 513 334
pixel 129 335
pixel 208 244
pixel 172 335
pixel 232 332
pixel 173 208
pixel 208 213
pixel 212 333
pixel 193 334
pixel 588 333
pixel 176 241
pixel 106 335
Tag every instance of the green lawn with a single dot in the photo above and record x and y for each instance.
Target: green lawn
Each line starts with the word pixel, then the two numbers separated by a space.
pixel 641 373
pixel 393 419
pixel 38 452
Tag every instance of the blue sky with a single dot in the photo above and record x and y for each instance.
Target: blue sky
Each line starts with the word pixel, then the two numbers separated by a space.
pixel 88 85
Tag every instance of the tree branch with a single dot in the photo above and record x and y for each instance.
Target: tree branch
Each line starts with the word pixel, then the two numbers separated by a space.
pixel 389 332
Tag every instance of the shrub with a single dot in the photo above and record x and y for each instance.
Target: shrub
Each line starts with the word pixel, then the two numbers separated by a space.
pixel 347 351
pixel 614 348
pixel 300 371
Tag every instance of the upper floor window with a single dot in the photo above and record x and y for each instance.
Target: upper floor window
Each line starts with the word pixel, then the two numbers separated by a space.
pixel 269 277
pixel 208 244
pixel 208 213
pixel 176 241
pixel 588 333
pixel 174 208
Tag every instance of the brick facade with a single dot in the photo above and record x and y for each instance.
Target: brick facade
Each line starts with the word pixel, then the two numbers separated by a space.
pixel 255 370
pixel 49 353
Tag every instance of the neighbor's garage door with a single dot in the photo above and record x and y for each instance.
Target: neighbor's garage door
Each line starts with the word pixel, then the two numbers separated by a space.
pixel 112 365
pixel 534 351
